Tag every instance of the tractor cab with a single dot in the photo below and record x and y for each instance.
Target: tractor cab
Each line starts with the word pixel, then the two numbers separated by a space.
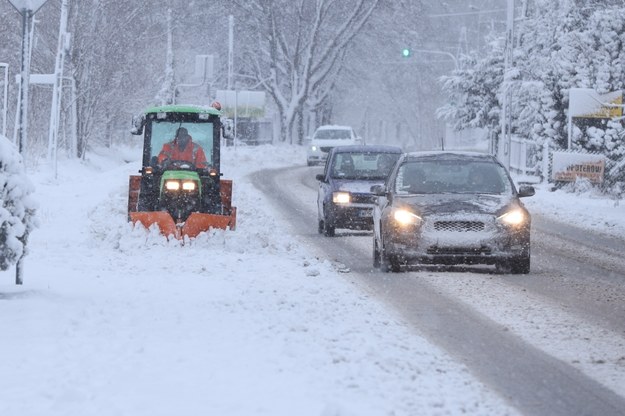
pixel 180 187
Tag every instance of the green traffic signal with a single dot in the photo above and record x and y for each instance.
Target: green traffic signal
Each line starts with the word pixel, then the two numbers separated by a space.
pixel 405 52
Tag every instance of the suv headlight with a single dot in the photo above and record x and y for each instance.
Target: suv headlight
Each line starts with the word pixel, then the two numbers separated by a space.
pixel 405 217
pixel 513 218
pixel 341 198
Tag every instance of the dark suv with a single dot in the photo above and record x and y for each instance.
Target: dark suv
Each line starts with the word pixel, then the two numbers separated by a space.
pixel 344 199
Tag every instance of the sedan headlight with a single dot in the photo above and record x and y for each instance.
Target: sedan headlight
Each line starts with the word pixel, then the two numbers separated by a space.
pixel 313 148
pixel 341 197
pixel 172 185
pixel 514 218
pixel 405 217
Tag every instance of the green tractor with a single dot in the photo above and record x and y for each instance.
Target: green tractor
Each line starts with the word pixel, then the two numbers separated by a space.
pixel 180 187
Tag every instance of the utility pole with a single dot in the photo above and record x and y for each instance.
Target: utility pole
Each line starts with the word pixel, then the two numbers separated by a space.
pixel 230 50
pixel 57 91
pixel 5 102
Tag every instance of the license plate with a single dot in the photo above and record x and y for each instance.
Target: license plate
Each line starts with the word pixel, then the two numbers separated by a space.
pixel 365 213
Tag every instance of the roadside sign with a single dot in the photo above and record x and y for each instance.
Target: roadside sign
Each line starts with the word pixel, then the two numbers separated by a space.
pixel 568 166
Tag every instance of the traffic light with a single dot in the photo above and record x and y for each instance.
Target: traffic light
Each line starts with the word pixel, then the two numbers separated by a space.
pixel 405 52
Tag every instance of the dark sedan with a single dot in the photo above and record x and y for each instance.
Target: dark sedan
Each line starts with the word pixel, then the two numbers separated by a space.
pixel 344 199
pixel 451 208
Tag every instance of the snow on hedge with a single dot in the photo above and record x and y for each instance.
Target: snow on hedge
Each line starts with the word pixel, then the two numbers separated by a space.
pixel 18 207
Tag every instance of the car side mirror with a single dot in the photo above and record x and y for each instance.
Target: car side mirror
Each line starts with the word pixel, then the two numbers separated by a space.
pixel 227 130
pixel 378 190
pixel 526 190
pixel 320 177
pixel 137 124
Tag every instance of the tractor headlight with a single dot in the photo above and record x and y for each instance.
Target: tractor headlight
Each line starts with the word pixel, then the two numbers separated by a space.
pixel 341 197
pixel 172 185
pixel 188 185
pixel 513 218
pixel 176 185
pixel 405 217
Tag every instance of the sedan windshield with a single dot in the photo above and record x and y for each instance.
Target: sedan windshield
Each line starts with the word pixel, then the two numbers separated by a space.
pixel 362 165
pixel 451 176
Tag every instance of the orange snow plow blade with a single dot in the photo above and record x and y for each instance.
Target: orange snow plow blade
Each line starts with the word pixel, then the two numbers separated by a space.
pixel 195 223
pixel 192 227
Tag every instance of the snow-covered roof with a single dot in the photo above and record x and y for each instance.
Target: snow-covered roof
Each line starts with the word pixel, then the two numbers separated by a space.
pixel 333 127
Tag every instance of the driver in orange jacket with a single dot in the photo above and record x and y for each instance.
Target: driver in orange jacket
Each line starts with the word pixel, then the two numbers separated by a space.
pixel 183 148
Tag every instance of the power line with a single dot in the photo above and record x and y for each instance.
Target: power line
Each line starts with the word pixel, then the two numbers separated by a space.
pixel 467 13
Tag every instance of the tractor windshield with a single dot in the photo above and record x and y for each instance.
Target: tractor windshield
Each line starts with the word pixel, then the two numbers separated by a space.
pixel 165 131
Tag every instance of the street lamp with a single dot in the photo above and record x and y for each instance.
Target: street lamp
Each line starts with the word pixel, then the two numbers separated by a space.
pixel 27 8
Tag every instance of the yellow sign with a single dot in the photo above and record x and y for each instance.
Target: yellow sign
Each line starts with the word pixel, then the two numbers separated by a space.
pixel 608 111
pixel 587 103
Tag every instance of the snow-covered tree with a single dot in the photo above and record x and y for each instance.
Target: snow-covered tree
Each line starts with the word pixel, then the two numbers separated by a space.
pixel 17 211
pixel 564 44
pixel 472 91
pixel 298 50
pixel 117 58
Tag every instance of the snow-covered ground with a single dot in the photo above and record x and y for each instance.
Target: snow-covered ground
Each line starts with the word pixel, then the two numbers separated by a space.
pixel 116 320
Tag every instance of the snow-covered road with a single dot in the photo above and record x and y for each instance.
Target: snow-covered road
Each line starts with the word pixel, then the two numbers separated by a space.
pixel 570 308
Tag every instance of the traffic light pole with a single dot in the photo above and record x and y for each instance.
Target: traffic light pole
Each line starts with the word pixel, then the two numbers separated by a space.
pixel 406 52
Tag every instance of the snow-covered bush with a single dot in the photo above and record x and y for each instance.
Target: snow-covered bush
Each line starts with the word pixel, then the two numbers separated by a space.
pixel 18 207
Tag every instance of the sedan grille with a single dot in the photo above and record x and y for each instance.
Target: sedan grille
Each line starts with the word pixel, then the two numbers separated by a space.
pixel 325 149
pixel 459 226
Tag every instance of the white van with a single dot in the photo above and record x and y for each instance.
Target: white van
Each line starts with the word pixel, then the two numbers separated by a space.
pixel 327 137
